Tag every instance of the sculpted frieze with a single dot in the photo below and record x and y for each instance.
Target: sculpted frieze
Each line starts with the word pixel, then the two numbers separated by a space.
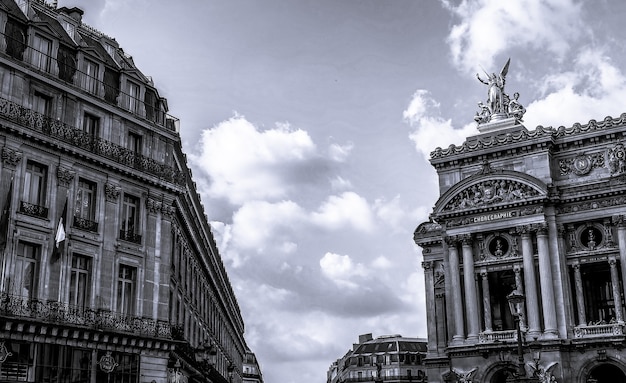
pixel 489 193
pixel 617 159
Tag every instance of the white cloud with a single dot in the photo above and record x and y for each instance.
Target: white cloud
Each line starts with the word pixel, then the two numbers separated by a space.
pixel 341 269
pixel 594 88
pixel 245 163
pixel 340 184
pixel 340 153
pixel 346 210
pixel 431 130
pixel 487 28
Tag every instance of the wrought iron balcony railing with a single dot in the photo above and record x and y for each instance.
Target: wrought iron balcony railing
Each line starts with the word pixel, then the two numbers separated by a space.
pixel 85 224
pixel 33 210
pixel 64 314
pixel 130 236
pixel 78 138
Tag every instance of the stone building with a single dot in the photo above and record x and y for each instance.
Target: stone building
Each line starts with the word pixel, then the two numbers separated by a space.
pixel 388 358
pixel 108 268
pixel 251 369
pixel 538 212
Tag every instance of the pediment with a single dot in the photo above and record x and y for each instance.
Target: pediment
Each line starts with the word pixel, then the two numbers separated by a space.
pixel 488 190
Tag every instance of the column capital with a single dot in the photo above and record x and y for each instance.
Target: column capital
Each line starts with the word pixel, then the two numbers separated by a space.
pixel 619 220
pixel 541 228
pixel 451 240
pixel 427 265
pixel 523 230
pixel 466 239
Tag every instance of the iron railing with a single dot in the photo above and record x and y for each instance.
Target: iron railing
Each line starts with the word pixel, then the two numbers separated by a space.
pixel 85 224
pixel 78 138
pixel 65 314
pixel 33 210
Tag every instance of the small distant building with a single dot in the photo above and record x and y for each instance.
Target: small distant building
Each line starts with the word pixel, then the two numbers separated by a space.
pixel 388 358
pixel 251 368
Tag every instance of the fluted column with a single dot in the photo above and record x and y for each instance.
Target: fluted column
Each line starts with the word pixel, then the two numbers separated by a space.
pixel 471 296
pixel 617 297
pixel 431 319
pixel 484 276
pixel 547 290
pixel 457 299
pixel 580 298
pixel 621 239
pixel 530 284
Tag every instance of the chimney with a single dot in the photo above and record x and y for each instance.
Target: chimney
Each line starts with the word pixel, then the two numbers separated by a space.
pixel 365 337
pixel 75 13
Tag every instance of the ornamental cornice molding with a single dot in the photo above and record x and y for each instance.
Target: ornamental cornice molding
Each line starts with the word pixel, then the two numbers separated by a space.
pixel 65 176
pixel 502 139
pixel 11 157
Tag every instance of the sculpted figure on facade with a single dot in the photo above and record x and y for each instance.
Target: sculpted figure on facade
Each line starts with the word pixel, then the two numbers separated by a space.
pixel 617 159
pixel 490 192
pixel 499 105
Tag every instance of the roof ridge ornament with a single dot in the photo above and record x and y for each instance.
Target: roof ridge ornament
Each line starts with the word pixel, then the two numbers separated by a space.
pixel 499 105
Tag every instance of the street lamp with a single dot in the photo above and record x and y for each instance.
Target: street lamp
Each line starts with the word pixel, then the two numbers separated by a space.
pixel 516 305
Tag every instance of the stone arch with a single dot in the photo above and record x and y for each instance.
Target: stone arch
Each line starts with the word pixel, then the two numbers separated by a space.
pixel 499 372
pixel 487 189
pixel 609 370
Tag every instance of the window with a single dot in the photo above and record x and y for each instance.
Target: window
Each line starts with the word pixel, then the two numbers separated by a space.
pixel 90 82
pixel 126 289
pixel 85 207
pixel 80 285
pixel 130 219
pixel 134 142
pixel 64 364
pixel 126 371
pixel 91 125
pixel 18 364
pixel 598 293
pixel 34 193
pixel 41 104
pixel 133 96
pixel 25 274
pixel 41 53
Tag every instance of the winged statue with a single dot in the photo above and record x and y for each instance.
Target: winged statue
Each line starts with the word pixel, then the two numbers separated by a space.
pixel 544 374
pixel 465 376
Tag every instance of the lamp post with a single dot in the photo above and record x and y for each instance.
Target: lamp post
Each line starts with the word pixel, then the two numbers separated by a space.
pixel 516 305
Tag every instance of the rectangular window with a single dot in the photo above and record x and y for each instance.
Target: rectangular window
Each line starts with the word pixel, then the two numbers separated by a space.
pixel 41 104
pixel 85 207
pixel 42 48
pixel 126 282
pixel 127 370
pixel 133 97
pixel 134 142
pixel 130 219
pixel 18 364
pixel 80 285
pixel 91 77
pixel 25 274
pixel 91 125
pixel 34 191
pixel 56 363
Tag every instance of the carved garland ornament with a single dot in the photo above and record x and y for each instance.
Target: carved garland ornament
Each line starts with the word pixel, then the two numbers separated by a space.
pixel 490 192
pixel 582 164
pixel 11 157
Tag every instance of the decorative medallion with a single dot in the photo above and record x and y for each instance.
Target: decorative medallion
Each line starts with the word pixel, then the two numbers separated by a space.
pixel 4 353
pixel 582 164
pixel 107 363
pixel 591 237
pixel 617 159
pixel 498 246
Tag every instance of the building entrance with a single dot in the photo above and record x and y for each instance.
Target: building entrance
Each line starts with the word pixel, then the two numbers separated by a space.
pixel 606 373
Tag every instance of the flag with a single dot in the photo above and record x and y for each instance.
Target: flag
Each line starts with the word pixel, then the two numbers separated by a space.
pixel 4 219
pixel 59 238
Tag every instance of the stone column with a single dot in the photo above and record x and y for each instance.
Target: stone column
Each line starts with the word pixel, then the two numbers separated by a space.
pixel 484 276
pixel 9 186
pixel 617 297
pixel 545 279
pixel 580 297
pixel 431 319
pixel 455 285
pixel 530 284
pixel 621 241
pixel 471 300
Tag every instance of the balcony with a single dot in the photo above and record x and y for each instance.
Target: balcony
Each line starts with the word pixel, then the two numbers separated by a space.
pixel 33 210
pixel 64 314
pixel 79 139
pixel 599 330
pixel 497 336
pixel 130 236
pixel 85 224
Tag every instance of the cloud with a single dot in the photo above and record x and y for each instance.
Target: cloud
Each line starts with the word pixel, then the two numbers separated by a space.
pixel 431 130
pixel 346 210
pixel 340 153
pixel 593 87
pixel 487 28
pixel 245 163
pixel 340 269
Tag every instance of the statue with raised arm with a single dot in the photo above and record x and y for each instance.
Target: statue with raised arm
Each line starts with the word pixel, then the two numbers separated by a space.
pixel 495 91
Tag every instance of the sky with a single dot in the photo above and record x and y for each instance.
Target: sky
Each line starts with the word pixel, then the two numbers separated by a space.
pixel 308 125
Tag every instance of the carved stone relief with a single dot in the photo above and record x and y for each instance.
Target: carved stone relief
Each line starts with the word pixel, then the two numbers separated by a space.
pixel 490 192
pixel 617 159
pixel 582 164
pixel 11 157
pixel 65 175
